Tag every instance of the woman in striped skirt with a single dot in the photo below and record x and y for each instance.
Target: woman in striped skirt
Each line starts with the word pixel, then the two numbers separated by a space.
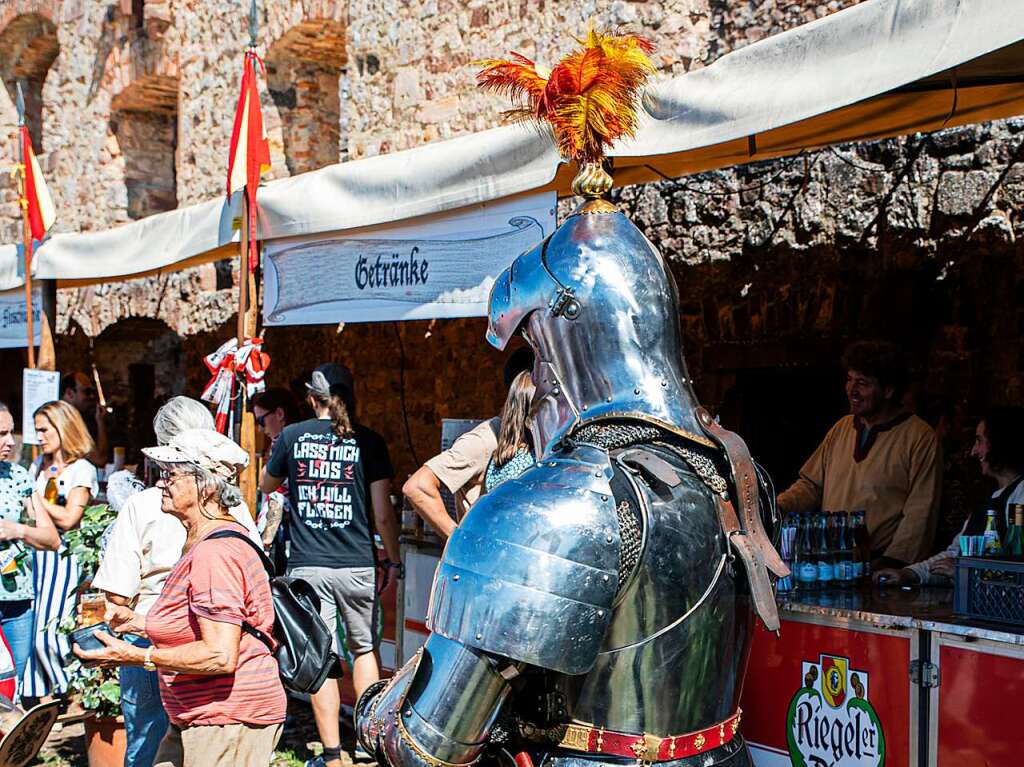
pixel 65 483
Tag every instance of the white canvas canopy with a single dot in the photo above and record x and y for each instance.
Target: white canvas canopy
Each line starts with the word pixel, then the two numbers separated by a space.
pixel 880 68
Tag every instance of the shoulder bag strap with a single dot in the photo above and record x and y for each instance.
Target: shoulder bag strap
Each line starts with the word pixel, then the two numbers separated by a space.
pixel 247 627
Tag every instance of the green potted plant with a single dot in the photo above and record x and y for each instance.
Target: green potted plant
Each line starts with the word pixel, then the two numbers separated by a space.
pixel 98 689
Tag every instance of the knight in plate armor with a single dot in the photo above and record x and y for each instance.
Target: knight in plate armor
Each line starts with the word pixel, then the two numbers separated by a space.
pixel 598 609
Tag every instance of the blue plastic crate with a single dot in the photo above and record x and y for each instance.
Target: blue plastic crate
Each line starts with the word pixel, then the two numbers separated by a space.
pixel 990 590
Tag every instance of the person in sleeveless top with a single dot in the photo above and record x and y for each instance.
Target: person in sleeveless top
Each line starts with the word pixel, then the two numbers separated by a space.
pixel 999 448
pixel 514 452
pixel 462 468
pixel 65 483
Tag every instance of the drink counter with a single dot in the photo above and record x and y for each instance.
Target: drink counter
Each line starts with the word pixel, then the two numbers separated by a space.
pixel 875 677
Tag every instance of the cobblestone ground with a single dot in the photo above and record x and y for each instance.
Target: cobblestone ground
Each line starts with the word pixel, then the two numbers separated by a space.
pixel 299 743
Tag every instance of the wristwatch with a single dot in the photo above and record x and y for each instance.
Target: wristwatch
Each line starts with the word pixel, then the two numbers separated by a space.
pixel 147 662
pixel 401 568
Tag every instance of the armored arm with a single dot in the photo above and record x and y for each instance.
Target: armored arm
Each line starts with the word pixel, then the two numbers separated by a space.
pixel 529 577
pixel 436 711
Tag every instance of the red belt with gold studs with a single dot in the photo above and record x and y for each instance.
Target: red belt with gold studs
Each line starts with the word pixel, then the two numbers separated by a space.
pixel 646 747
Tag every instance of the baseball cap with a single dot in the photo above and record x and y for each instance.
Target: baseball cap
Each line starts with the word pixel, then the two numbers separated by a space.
pixel 329 376
pixel 205 448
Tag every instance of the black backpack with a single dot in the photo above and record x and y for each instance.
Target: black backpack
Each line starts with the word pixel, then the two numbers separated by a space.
pixel 305 644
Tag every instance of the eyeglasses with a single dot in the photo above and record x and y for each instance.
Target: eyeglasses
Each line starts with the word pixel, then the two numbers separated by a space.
pixel 260 419
pixel 169 477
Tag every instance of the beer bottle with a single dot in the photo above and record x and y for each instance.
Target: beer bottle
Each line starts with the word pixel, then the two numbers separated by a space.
pixel 52 492
pixel 787 545
pixel 1014 546
pixel 12 560
pixel 844 551
pixel 856 555
pixel 822 555
pixel 805 568
pixel 990 546
pixel 863 546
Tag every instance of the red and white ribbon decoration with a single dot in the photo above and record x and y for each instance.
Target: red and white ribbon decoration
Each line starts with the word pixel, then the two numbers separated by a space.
pixel 227 365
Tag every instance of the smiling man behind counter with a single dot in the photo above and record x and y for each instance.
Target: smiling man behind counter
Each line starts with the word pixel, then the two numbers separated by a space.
pixel 880 458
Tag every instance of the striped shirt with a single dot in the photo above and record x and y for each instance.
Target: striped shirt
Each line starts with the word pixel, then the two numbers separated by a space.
pixel 220 580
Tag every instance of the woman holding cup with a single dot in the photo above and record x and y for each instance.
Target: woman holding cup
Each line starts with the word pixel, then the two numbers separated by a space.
pixel 65 483
pixel 1000 452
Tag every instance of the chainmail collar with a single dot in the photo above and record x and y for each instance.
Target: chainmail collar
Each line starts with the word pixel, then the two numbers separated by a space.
pixel 614 435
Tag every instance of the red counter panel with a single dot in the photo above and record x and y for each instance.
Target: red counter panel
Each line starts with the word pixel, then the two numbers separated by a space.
pixel 828 696
pixel 979 722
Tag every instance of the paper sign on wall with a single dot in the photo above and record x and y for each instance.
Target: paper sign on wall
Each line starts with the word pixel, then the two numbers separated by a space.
pixel 37 388
pixel 14 318
pixel 432 267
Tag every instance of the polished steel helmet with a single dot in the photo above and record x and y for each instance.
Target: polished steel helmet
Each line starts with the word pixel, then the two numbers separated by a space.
pixel 600 308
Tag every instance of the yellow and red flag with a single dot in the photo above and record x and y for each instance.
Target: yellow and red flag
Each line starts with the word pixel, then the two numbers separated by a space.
pixel 250 151
pixel 35 196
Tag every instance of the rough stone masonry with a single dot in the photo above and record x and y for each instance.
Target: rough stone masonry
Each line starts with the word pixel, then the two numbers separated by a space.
pixel 779 264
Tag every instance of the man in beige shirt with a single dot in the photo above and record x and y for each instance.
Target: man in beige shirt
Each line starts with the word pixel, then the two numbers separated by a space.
pixel 880 458
pixel 462 467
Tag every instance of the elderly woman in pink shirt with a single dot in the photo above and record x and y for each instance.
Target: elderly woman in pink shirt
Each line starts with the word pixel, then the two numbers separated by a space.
pixel 219 684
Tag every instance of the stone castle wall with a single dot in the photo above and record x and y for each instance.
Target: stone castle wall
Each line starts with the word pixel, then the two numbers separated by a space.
pixel 779 264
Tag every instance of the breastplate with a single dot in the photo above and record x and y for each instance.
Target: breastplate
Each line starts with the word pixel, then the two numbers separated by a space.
pixel 674 654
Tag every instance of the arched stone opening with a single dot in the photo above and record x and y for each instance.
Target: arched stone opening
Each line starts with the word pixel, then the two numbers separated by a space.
pixel 305 68
pixel 30 46
pixel 144 120
pixel 141 363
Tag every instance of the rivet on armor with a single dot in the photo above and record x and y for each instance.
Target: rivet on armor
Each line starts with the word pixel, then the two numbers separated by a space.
pixel 479 637
pixel 609 539
pixel 636 391
pixel 556 391
pixel 664 384
pixel 605 578
pixel 584 407
pixel 608 398
pixel 600 613
pixel 604 497
pixel 455 577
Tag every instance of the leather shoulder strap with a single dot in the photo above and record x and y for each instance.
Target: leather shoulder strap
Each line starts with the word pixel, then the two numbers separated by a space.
pixel 247 627
pixel 745 529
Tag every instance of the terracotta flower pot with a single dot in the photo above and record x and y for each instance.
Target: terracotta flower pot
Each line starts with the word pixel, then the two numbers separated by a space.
pixel 105 742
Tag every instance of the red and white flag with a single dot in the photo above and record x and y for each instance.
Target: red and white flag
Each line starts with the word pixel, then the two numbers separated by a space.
pixel 250 152
pixel 37 200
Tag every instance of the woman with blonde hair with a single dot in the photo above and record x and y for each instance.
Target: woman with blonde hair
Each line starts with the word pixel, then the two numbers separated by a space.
pixel 65 483
pixel 514 453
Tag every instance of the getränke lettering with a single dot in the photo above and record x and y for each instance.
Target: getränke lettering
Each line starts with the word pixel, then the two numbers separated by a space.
pixel 394 273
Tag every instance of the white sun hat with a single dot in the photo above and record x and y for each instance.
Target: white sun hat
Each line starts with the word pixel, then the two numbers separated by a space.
pixel 205 448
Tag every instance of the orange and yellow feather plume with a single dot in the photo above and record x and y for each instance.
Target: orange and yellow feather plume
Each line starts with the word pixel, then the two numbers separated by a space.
pixel 589 98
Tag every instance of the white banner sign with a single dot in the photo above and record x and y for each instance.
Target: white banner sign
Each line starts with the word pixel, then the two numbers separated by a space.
pixel 14 319
pixel 436 266
pixel 37 388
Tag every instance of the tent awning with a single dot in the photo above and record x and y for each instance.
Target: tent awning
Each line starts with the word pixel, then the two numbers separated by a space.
pixel 881 68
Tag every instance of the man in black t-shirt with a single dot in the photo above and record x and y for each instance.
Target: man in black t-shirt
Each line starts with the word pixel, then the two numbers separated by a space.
pixel 338 473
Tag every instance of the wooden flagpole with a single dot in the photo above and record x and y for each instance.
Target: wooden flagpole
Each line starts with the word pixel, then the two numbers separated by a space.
pixel 248 306
pixel 26 231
